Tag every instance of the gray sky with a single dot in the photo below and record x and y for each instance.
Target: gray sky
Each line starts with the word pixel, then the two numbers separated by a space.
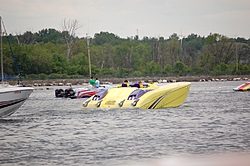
pixel 152 18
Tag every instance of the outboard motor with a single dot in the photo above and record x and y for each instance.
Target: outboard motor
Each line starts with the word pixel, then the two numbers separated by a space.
pixel 59 93
pixel 69 93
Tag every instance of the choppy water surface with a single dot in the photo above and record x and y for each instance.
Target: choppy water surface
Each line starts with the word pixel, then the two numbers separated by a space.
pixel 213 120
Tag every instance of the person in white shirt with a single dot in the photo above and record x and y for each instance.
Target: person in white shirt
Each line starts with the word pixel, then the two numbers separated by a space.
pixel 97 83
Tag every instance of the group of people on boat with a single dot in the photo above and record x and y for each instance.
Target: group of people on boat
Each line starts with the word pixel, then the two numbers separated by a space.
pixel 94 83
pixel 126 84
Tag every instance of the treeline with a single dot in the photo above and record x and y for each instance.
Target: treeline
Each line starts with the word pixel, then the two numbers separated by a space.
pixel 46 52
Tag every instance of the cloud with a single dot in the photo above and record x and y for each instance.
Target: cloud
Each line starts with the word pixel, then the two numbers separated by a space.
pixel 124 17
pixel 235 15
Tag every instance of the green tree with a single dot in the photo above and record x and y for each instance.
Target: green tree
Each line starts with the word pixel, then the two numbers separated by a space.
pixel 137 73
pixel 106 71
pixel 59 65
pixel 123 71
pixel 179 67
pixel 197 70
pixel 218 48
pixel 41 59
pixel 26 38
pixel 191 47
pixel 245 67
pixel 152 68
pixel 167 69
pixel 123 54
pixel 106 37
pixel 175 50
pixel 8 62
pixel 81 62
pixel 49 35
pixel 24 63
pixel 223 67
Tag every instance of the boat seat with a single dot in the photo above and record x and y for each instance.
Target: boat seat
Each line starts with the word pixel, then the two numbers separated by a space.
pixel 124 85
pixel 137 85
pixel 136 94
pixel 99 95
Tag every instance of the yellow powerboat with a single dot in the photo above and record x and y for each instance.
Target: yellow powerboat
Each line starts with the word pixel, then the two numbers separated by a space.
pixel 151 96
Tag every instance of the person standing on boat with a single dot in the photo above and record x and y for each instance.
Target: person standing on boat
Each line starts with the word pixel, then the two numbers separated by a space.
pixel 124 84
pixel 97 83
pixel 92 82
pixel 141 86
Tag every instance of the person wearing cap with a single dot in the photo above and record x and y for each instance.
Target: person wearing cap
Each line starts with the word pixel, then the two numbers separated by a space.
pixel 141 86
pixel 124 84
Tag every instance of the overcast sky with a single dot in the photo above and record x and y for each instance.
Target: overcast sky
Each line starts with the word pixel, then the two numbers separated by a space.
pixel 125 18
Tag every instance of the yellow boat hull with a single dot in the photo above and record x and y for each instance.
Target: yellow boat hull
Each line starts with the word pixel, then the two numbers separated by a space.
pixel 156 96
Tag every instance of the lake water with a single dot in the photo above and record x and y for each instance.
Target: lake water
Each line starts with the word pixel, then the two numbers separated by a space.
pixel 213 121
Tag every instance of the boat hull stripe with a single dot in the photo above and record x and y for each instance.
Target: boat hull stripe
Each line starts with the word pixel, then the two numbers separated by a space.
pixel 9 103
pixel 162 97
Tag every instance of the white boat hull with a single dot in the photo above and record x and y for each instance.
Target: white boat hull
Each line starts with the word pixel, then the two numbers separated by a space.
pixel 11 98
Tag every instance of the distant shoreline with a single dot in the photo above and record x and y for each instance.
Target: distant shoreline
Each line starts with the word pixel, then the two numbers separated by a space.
pixel 68 82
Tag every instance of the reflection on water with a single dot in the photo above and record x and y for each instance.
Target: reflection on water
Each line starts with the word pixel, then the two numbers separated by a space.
pixel 11 120
pixel 214 120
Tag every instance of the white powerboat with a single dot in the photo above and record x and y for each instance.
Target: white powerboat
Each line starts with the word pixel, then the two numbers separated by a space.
pixel 11 97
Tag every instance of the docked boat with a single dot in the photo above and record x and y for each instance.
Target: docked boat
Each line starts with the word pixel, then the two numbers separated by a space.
pixel 151 96
pixel 11 97
pixel 243 87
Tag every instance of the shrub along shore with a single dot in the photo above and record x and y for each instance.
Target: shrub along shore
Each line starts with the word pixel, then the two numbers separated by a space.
pixel 71 82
